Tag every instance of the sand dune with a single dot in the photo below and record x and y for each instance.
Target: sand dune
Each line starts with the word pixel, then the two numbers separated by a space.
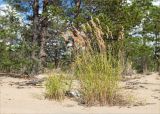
pixel 16 99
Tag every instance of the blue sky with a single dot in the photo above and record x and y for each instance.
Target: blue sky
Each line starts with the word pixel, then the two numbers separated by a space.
pixel 1 2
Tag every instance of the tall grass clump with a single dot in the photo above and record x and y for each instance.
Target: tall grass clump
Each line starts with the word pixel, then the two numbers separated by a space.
pixel 55 87
pixel 99 76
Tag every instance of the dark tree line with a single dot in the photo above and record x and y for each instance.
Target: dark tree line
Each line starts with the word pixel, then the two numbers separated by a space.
pixel 47 19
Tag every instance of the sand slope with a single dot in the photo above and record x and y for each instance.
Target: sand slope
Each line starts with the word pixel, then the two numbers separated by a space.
pixel 15 99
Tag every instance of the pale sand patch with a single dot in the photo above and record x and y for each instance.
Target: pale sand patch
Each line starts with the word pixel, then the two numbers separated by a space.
pixel 30 99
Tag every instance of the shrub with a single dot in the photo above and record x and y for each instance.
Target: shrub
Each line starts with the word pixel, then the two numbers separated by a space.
pixel 99 75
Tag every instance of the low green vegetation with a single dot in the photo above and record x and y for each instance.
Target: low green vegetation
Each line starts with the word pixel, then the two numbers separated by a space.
pixel 99 76
pixel 55 87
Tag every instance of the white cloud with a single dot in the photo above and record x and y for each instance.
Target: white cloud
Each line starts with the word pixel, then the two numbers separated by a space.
pixel 156 3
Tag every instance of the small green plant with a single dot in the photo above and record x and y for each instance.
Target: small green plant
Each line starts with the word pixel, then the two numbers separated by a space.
pixel 99 76
pixel 55 87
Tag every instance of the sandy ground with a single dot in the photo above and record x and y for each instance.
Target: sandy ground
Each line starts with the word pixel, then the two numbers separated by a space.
pixel 15 99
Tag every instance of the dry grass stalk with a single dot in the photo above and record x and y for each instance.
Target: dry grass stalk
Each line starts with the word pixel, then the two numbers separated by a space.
pixel 82 39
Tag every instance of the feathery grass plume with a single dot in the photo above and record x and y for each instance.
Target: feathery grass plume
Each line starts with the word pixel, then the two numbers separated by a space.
pixel 87 41
pixel 97 21
pixel 121 33
pixel 109 33
pixel 91 33
pixel 98 33
pixel 99 76
pixel 88 27
pixel 83 27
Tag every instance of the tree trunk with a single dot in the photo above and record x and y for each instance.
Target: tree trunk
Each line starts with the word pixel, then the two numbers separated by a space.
pixel 35 34
pixel 158 67
pixel 78 6
pixel 157 49
pixel 44 33
pixel 35 27
pixel 145 65
pixel 144 59
pixel 77 12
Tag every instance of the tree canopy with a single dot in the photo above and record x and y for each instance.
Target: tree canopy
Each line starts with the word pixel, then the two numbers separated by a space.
pixel 31 34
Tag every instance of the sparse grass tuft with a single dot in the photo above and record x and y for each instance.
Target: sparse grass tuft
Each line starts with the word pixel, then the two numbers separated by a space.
pixel 55 87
